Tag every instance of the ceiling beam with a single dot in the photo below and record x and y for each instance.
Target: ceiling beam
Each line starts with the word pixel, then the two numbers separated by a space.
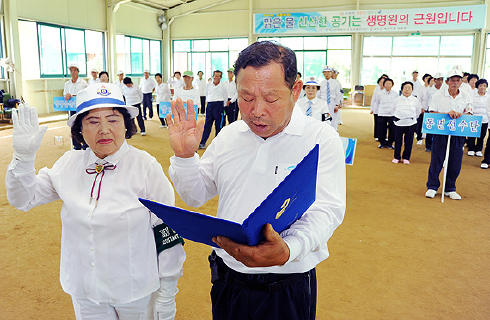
pixel 191 7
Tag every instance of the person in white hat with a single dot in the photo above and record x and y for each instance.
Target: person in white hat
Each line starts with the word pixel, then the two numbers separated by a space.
pixel 147 86
pixel 310 105
pixel 330 91
pixel 188 91
pixel 109 260
pixel 435 84
pixel 119 82
pixel 95 77
pixel 71 89
pixel 454 102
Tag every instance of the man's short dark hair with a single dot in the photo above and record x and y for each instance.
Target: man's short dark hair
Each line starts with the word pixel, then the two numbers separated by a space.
pixel 127 80
pixel 391 80
pixel 218 71
pixel 425 76
pixel 465 74
pixel 200 72
pixel 405 83
pixel 263 53
pixel 472 76
pixel 76 129
pixel 481 81
pixel 384 75
pixel 177 72
pixel 104 72
pixel 299 74
pixel 158 74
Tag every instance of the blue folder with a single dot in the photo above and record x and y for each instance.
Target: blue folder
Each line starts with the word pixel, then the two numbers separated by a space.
pixel 282 207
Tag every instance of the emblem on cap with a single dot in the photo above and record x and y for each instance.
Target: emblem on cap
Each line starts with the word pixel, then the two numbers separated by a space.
pixel 103 91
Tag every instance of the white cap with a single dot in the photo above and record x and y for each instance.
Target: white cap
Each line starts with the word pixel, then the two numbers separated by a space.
pixel 458 67
pixel 438 75
pixel 311 81
pixel 93 70
pixel 100 95
pixel 147 71
pixel 120 72
pixel 327 68
pixel 454 73
pixel 335 71
pixel 73 65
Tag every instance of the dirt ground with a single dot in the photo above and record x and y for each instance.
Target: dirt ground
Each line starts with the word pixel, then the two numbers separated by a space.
pixel 398 255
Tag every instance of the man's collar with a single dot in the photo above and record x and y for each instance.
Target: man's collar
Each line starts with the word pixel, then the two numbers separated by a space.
pixel 295 126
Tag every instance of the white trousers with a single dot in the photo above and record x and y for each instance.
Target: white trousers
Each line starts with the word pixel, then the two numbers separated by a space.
pixel 137 310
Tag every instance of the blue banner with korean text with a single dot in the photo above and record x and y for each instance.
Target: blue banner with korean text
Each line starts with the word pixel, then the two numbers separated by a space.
pixel 60 104
pixel 441 123
pixel 166 109
pixel 378 20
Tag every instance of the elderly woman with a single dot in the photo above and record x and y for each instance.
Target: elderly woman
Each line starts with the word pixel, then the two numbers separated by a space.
pixel 480 100
pixel 109 260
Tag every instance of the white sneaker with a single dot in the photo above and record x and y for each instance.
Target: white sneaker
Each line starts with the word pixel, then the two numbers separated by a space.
pixel 471 153
pixel 479 154
pixel 430 193
pixel 419 142
pixel 484 166
pixel 452 195
pixel 143 133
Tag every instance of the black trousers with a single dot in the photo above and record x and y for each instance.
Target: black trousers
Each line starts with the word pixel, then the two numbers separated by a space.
pixel 486 155
pixel 203 104
pixel 420 119
pixel 439 145
pixel 214 113
pixel 375 125
pixel 428 141
pixel 404 135
pixel 231 112
pixel 239 296
pixel 386 124
pixel 139 118
pixel 147 104
pixel 476 144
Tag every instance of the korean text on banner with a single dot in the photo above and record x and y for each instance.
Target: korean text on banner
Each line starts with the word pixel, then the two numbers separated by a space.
pixel 441 123
pixel 166 109
pixel 60 104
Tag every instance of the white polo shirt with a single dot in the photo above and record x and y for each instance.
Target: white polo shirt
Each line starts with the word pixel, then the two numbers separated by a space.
pixel 217 92
pixel 73 88
pixel 147 85
pixel 442 102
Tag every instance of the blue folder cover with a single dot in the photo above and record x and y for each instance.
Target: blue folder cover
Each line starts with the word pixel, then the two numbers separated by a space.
pixel 282 207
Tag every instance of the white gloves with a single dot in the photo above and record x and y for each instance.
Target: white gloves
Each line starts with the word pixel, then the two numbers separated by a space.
pixel 165 300
pixel 27 135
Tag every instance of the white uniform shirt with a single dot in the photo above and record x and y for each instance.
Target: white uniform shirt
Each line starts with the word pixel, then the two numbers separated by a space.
pixel 163 93
pixel 92 81
pixel 374 100
pixel 108 251
pixel 430 93
pixel 386 103
pixel 120 84
pixel 318 107
pixel 201 86
pixel 480 106
pixel 335 92
pixel 417 87
pixel 188 94
pixel 132 94
pixel 407 110
pixel 442 102
pixel 244 168
pixel 73 88
pixel 176 83
pixel 217 92
pixel 231 88
pixel 147 85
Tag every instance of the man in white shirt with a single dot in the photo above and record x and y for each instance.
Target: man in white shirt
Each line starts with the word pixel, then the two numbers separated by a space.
pixel 330 92
pixel 335 74
pixel 147 86
pixel 119 82
pixel 176 81
pixel 188 91
pixel 217 98
pixel 200 84
pixel 72 87
pixel 454 102
pixel 438 80
pixel 275 279
pixel 95 77
pixel 417 85
pixel 231 108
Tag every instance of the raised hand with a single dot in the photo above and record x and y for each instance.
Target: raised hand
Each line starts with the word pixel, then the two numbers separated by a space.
pixel 27 135
pixel 184 133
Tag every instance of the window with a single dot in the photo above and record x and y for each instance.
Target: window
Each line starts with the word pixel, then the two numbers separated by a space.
pixel 207 55
pixel 135 55
pixel 312 53
pixel 487 58
pixel 400 56
pixel 59 47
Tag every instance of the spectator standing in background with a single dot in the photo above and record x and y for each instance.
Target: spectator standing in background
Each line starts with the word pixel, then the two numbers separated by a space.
pixel 147 86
